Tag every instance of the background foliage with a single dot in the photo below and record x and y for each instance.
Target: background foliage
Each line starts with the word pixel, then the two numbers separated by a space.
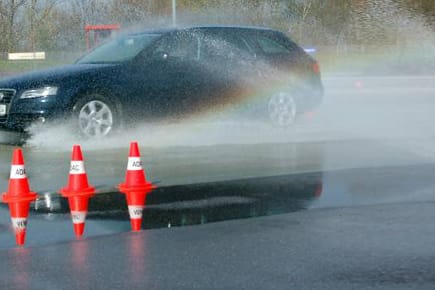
pixel 51 25
pixel 347 33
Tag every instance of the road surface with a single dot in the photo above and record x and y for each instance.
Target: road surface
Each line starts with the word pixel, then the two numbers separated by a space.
pixel 343 200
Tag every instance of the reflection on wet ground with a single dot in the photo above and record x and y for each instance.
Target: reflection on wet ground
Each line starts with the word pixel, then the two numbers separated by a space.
pixel 168 166
pixel 207 202
pixel 365 146
pixel 171 206
pixel 198 185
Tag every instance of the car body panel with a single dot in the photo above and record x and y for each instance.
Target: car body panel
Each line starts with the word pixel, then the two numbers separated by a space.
pixel 180 72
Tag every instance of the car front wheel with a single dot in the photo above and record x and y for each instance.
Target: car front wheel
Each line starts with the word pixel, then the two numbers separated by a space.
pixel 97 117
pixel 282 109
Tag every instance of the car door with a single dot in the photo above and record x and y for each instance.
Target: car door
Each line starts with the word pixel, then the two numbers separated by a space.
pixel 169 79
pixel 230 65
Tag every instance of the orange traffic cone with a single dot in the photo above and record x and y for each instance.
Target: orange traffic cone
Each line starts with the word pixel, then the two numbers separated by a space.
pixel 135 187
pixel 78 191
pixel 19 196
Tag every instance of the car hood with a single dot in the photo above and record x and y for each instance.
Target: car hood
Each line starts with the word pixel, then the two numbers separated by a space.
pixel 55 76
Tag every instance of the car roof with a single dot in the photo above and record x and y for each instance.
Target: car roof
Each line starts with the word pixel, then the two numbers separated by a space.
pixel 205 27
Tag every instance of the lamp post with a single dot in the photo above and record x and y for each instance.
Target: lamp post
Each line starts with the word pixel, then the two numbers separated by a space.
pixel 174 12
pixel 32 30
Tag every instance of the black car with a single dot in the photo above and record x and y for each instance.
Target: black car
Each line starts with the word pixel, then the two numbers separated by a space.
pixel 171 73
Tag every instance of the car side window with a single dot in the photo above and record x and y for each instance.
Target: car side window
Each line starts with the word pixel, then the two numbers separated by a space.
pixel 224 48
pixel 182 46
pixel 270 46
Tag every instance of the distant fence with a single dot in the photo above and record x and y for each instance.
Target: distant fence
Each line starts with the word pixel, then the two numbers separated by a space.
pixel 388 59
pixel 24 62
pixel 50 56
pixel 40 55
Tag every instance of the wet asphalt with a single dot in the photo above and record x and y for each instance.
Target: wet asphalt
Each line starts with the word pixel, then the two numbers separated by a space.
pixel 345 202
pixel 387 246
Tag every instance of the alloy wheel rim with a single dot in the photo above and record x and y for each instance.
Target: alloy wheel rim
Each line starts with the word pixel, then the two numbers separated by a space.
pixel 95 119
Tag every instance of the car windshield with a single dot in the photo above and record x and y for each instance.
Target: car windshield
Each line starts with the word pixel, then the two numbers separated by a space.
pixel 119 50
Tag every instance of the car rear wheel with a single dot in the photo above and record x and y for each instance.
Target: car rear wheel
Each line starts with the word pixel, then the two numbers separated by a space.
pixel 282 109
pixel 96 116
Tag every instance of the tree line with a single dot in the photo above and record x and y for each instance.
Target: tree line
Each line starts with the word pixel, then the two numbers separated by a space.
pixel 58 25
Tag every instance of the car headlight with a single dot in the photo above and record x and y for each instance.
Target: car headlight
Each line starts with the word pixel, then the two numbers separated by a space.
pixel 39 93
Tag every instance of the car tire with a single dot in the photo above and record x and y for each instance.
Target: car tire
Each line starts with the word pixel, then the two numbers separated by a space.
pixel 282 109
pixel 96 116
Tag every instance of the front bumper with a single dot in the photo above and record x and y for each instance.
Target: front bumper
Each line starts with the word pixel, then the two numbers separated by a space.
pixel 22 113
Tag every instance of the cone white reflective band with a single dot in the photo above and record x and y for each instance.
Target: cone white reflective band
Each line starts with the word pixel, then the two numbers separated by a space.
pixel 19 224
pixel 18 172
pixel 77 167
pixel 78 217
pixel 134 163
pixel 135 211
